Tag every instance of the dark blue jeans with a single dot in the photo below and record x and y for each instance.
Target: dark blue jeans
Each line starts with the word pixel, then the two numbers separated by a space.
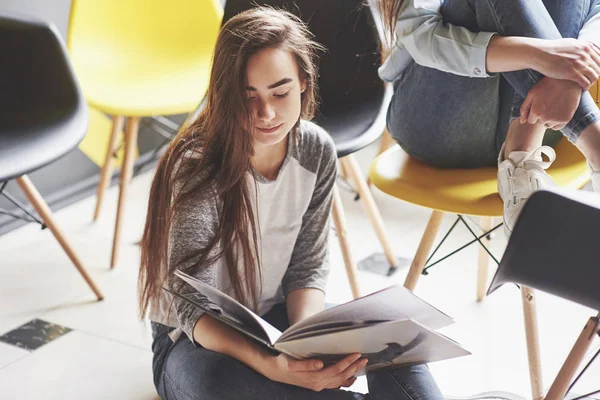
pixel 183 371
pixel 453 121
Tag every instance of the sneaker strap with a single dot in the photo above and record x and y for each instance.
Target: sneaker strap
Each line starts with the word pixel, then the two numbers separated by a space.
pixel 527 173
pixel 536 158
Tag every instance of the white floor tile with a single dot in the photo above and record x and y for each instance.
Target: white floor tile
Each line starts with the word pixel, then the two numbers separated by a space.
pixel 9 354
pixel 115 318
pixel 38 277
pixel 78 366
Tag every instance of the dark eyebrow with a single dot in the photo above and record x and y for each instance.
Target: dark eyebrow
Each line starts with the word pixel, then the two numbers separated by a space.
pixel 274 85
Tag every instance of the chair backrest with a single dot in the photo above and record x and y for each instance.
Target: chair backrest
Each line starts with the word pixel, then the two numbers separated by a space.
pixel 115 29
pixel 554 247
pixel 348 68
pixel 35 74
pixel 42 111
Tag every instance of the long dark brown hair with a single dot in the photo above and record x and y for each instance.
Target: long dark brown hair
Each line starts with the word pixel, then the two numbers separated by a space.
pixel 390 11
pixel 211 157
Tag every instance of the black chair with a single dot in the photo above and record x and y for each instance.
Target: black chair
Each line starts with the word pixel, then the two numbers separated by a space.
pixel 353 100
pixel 42 113
pixel 554 248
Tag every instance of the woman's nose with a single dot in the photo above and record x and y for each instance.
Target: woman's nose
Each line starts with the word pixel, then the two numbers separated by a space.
pixel 266 112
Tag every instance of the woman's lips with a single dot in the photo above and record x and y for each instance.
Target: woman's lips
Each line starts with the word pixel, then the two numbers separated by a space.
pixel 269 130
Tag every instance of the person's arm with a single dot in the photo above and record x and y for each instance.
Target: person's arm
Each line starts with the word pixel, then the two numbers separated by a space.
pixel 552 102
pixel 505 54
pixel 422 32
pixel 306 276
pixel 308 268
pixel 302 303
pixel 195 223
pixel 215 336
pixel 569 59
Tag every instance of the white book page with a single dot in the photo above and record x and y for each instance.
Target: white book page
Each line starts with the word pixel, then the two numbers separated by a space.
pixel 393 343
pixel 233 307
pixel 390 304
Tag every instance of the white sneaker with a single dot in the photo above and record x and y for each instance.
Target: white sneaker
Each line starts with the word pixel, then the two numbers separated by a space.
pixel 595 179
pixel 521 174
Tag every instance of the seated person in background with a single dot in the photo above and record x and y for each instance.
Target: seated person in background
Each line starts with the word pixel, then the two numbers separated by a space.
pixel 241 200
pixel 547 56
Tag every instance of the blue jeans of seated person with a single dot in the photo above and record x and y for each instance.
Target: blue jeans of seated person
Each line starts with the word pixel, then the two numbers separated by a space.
pixel 451 121
pixel 183 371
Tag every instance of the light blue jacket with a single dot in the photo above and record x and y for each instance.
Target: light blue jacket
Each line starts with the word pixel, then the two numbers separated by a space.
pixel 422 36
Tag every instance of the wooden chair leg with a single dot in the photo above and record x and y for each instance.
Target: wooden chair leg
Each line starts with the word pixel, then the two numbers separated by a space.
pixel 369 204
pixel 45 213
pixel 533 344
pixel 565 376
pixel 484 257
pixel 131 134
pixel 418 263
pixel 387 141
pixel 339 221
pixel 342 170
pixel 107 168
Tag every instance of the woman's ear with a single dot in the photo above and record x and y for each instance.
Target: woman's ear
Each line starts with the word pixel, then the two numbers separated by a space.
pixel 302 86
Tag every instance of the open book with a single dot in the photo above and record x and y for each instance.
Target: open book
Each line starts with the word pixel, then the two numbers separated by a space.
pixel 390 327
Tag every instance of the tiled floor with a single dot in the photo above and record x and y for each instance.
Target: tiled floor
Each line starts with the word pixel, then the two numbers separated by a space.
pixel 107 355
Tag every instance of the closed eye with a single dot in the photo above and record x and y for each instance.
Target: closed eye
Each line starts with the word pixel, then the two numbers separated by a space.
pixel 282 95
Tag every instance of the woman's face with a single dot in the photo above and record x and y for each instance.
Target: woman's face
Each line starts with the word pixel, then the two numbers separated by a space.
pixel 274 93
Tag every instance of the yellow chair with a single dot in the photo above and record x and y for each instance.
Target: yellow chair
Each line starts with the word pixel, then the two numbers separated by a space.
pixel 469 192
pixel 459 191
pixel 136 59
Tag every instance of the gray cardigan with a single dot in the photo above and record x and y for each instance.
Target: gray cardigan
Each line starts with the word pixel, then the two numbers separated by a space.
pixel 293 219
